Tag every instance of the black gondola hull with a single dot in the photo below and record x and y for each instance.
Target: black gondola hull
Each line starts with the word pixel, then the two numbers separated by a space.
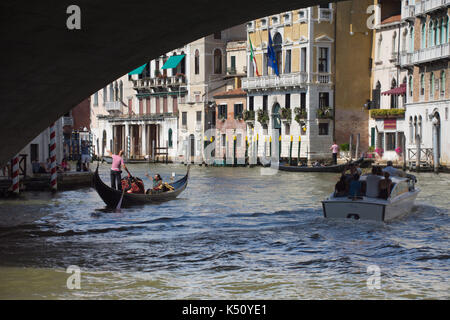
pixel 336 168
pixel 111 197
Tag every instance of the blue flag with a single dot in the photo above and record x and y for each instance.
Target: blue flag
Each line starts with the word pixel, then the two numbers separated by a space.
pixel 272 57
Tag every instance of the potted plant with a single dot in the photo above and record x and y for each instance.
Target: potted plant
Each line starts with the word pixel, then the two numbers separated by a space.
pixel 249 115
pixel 325 113
pixel 286 114
pixel 370 152
pixel 300 114
pixel 379 152
pixel 263 116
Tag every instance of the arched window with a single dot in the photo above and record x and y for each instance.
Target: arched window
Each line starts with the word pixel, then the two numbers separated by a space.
pixel 116 91
pixel 120 90
pixel 404 34
pixel 437 33
pixel 104 95
pixel 277 46
pixel 197 62
pixel 170 138
pixel 432 85
pixel 394 98
pixel 422 84
pixel 424 36
pixel 411 39
pixel 111 92
pixel 420 126
pixel 430 34
pixel 444 30
pixel 394 37
pixel 380 40
pixel 442 84
pixel 217 61
pixel 410 85
pixel 96 99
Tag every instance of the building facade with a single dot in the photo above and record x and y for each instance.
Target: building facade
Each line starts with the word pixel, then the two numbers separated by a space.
pixel 310 98
pixel 428 97
pixel 389 82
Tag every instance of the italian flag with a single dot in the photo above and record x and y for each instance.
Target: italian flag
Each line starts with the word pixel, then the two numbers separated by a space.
pixel 252 57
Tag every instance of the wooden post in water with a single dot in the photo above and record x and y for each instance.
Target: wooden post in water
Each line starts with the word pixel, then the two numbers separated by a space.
pixel 270 147
pixel 153 151
pixel 299 147
pixel 279 149
pixel 350 147
pixel 417 152
pixel 234 151
pixel 404 152
pixel 357 147
pixel 290 152
pixel 246 149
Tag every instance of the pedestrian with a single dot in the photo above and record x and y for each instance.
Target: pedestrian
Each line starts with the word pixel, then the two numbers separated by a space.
pixel 116 172
pixel 335 149
pixel 85 158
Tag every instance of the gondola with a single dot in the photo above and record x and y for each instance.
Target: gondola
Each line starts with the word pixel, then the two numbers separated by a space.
pixel 112 197
pixel 334 168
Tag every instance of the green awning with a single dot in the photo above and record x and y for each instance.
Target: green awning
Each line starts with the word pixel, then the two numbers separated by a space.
pixel 173 62
pixel 138 70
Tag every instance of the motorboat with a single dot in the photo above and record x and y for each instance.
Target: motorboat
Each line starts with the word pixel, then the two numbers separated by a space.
pixel 399 203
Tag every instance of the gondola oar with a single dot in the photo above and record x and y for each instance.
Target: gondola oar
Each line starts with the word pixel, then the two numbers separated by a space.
pixel 120 202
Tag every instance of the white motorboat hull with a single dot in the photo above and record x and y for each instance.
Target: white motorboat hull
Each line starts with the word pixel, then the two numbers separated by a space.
pixel 369 208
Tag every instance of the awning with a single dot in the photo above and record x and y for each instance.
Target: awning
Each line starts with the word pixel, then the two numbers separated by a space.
pixel 396 91
pixel 173 62
pixel 138 70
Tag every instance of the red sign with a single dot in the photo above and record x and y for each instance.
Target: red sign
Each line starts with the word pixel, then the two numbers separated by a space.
pixel 390 124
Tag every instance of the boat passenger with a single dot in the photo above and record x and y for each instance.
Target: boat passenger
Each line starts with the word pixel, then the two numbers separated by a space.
pixel 157 183
pixel 357 188
pixel 385 187
pixel 392 171
pixel 341 187
pixel 373 181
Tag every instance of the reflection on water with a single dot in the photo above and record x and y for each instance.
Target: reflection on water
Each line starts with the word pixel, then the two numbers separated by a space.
pixel 232 234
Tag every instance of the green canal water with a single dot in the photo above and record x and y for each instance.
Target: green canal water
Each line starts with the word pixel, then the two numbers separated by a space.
pixel 232 234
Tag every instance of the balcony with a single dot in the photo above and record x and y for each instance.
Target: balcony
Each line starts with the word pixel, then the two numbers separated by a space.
pixel 408 12
pixel 284 80
pixel 159 82
pixel 321 78
pixel 426 55
pixel 324 14
pixel 426 6
pixel 67 121
pixel 113 106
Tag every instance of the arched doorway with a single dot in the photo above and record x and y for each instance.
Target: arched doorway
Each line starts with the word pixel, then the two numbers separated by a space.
pixel 276 121
pixel 436 122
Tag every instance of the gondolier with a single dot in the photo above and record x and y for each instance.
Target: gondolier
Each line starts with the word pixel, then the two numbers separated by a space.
pixel 335 149
pixel 116 172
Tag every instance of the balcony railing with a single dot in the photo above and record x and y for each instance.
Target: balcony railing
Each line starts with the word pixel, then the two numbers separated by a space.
pixel 67 121
pixel 425 6
pixel 323 78
pixel 426 55
pixel 284 80
pixel 112 106
pixel 324 14
pixel 408 12
pixel 159 82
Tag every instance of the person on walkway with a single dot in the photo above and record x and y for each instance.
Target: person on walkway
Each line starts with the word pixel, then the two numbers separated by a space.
pixel 116 172
pixel 335 149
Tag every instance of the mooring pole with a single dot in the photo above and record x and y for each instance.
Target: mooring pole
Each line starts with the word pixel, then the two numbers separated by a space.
pixel 15 175
pixel 350 147
pixel 290 152
pixel 299 148
pixel 54 175
pixel 357 147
